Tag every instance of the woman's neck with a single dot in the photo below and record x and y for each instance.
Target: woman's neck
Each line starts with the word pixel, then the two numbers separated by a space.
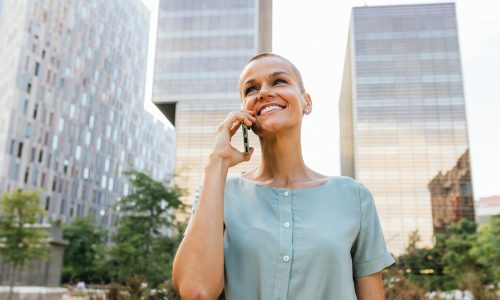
pixel 282 163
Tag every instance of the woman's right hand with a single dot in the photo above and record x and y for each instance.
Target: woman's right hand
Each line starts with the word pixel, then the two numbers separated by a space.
pixel 225 131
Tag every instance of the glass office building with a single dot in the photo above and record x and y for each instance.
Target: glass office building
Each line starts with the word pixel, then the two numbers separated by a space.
pixel 402 109
pixel 71 108
pixel 202 47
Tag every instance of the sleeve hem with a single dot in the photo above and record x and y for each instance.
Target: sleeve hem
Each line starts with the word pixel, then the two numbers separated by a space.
pixel 373 266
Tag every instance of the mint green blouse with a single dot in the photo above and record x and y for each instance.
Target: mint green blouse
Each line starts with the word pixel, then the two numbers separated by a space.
pixel 306 243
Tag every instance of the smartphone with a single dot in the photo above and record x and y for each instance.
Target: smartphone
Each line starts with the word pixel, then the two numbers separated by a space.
pixel 245 139
pixel 245 136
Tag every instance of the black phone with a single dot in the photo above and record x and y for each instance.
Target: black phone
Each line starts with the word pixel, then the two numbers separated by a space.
pixel 245 138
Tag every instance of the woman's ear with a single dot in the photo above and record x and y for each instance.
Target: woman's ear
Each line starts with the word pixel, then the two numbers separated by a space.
pixel 308 103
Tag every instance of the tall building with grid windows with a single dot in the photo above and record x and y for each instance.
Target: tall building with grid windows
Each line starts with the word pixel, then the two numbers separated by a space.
pixel 71 107
pixel 202 47
pixel 402 112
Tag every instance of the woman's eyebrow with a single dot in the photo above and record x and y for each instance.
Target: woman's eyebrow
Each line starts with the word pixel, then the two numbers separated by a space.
pixel 274 74
pixel 278 73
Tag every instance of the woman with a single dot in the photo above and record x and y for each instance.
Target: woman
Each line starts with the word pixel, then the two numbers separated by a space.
pixel 282 230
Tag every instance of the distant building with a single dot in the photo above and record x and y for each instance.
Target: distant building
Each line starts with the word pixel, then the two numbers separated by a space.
pixel 71 104
pixel 451 195
pixel 402 110
pixel 201 49
pixel 487 207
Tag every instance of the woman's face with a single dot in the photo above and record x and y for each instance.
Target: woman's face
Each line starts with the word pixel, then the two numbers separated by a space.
pixel 270 87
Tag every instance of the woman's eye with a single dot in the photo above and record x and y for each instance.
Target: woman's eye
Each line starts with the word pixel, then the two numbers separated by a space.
pixel 278 81
pixel 250 89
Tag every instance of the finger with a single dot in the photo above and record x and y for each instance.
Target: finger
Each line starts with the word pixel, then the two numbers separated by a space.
pixel 235 127
pixel 247 157
pixel 231 118
pixel 250 112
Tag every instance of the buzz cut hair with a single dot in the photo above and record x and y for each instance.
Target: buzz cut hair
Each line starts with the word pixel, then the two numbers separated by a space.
pixel 294 68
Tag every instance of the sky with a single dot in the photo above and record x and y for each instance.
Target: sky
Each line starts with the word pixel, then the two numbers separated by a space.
pixel 313 35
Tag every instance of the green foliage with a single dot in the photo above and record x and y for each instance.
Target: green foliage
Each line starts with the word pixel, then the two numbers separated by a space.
pixel 457 260
pixel 423 266
pixel 462 259
pixel 486 251
pixel 20 239
pixel 140 247
pixel 85 255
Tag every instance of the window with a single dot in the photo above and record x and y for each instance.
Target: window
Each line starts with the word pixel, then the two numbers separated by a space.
pixel 78 152
pixel 63 206
pixel 25 107
pixel 35 111
pixel 34 177
pixel 37 68
pixel 54 142
pixel 28 130
pixel 48 76
pixel 61 124
pixel 26 174
pixel 12 145
pixel 47 203
pixel 27 63
pixel 20 150
pixel 33 154
pixel 40 156
pixel 42 181
pixel 28 88
pixel 65 166
pixel 14 171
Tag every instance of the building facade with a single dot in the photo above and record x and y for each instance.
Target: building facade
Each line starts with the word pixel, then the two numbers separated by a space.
pixel 72 118
pixel 402 110
pixel 202 47
pixel 486 208
pixel 452 195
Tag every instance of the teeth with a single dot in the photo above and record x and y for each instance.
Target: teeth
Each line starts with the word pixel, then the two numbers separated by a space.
pixel 269 108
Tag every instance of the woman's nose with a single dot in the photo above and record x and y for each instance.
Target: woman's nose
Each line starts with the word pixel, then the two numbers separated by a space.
pixel 265 91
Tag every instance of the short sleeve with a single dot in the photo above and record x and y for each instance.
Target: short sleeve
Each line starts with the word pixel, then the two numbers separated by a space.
pixel 369 251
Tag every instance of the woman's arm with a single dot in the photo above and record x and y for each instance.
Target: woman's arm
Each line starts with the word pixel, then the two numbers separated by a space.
pixel 370 287
pixel 198 268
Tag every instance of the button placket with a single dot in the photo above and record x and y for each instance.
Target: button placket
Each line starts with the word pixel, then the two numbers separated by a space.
pixel 285 247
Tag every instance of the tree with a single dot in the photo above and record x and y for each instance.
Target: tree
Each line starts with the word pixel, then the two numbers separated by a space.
pixel 457 259
pixel 20 240
pixel 486 250
pixel 85 255
pixel 423 266
pixel 141 247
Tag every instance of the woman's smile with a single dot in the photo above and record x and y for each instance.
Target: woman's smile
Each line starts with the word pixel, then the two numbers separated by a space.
pixel 270 109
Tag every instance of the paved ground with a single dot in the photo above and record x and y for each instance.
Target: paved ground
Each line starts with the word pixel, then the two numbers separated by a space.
pixel 44 293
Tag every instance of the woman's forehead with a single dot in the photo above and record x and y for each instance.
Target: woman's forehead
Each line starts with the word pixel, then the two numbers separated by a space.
pixel 265 66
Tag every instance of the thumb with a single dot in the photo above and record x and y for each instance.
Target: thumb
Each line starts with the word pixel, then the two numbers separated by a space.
pixel 247 157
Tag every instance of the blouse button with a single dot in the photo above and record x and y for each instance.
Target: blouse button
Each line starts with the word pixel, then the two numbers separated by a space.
pixel 286 224
pixel 286 258
pixel 285 194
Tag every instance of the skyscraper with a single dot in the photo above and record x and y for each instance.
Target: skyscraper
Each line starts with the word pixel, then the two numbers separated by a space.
pixel 402 110
pixel 72 117
pixel 202 46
